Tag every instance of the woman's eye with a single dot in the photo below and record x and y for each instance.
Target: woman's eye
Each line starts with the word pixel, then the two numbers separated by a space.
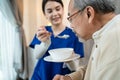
pixel 58 8
pixel 49 11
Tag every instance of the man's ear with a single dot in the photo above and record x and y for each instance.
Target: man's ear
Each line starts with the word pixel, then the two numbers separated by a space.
pixel 90 13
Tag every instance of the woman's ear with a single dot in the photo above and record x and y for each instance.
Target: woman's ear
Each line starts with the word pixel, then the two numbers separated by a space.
pixel 90 13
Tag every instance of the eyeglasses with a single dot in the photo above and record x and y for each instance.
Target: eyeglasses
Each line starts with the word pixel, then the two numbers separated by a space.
pixel 70 17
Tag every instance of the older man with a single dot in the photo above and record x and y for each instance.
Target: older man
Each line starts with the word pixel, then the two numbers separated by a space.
pixel 96 19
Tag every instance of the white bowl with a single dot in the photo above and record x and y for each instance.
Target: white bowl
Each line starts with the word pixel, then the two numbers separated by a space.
pixel 60 53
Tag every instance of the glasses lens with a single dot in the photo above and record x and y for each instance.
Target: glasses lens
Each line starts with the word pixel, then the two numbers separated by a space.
pixel 70 17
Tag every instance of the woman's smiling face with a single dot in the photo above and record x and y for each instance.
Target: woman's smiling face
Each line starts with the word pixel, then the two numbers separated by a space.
pixel 54 12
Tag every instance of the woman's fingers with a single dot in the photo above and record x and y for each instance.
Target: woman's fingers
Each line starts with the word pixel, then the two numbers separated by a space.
pixel 40 33
pixel 43 35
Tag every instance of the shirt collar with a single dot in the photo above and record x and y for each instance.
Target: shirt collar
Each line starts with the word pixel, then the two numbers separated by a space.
pixel 102 31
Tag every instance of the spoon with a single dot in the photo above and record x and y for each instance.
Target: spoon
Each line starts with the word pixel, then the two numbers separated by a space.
pixel 64 36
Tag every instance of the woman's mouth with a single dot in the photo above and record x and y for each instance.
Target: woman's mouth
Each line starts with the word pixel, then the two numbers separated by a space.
pixel 55 19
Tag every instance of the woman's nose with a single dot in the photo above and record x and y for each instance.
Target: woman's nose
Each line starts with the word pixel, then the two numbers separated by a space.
pixel 55 12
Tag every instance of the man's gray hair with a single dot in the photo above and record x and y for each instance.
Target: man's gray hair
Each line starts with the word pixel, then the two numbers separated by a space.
pixel 100 6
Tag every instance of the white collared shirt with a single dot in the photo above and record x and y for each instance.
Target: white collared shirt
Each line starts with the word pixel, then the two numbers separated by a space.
pixel 105 59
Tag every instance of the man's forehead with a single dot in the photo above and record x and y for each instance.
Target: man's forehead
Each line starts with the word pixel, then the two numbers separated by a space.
pixel 70 7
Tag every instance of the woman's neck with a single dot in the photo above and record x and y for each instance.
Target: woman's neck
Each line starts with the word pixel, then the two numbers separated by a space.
pixel 57 29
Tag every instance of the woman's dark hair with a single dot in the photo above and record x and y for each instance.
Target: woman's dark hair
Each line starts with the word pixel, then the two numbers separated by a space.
pixel 45 1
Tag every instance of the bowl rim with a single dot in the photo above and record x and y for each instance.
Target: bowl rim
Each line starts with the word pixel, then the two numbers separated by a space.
pixel 59 49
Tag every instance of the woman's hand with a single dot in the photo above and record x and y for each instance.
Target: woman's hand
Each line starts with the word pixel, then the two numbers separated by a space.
pixel 61 77
pixel 42 34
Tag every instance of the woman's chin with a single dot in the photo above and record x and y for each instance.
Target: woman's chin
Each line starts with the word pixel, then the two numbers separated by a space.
pixel 56 23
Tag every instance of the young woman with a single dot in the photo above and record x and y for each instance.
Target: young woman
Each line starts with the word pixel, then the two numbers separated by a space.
pixel 51 37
